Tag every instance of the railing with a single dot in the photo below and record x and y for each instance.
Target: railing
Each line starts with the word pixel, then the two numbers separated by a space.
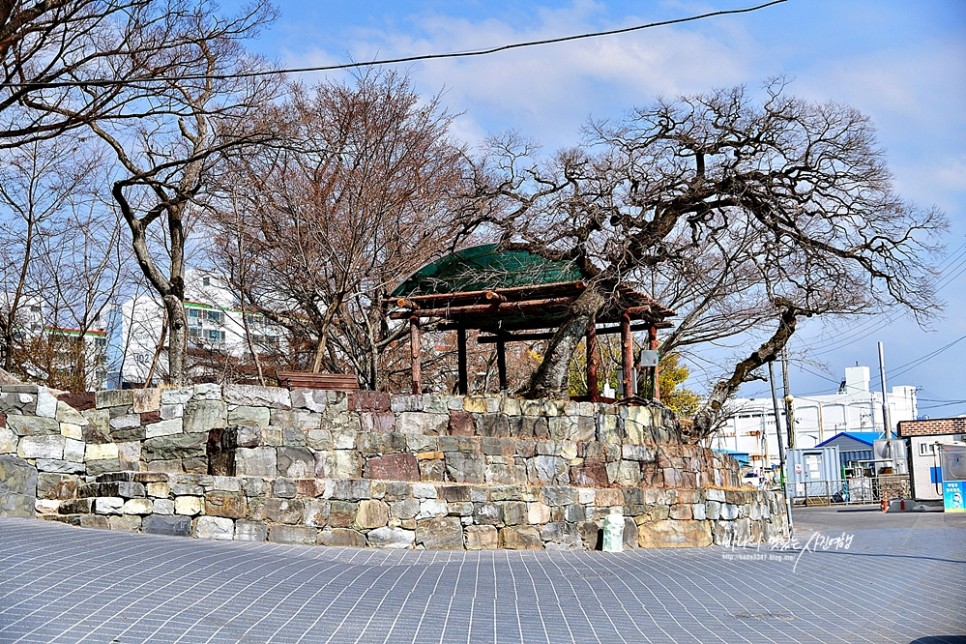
pixel 851 491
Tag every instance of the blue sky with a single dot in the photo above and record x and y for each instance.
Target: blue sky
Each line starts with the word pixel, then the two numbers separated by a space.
pixel 903 63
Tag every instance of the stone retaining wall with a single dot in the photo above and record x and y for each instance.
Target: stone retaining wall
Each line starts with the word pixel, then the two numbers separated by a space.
pixel 369 469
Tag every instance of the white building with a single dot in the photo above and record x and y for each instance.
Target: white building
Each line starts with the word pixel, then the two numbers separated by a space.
pixel 216 325
pixel 52 351
pixel 854 408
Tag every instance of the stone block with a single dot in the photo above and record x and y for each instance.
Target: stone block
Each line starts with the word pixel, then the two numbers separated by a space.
pixel 561 536
pixel 537 513
pixel 404 509
pixel 482 537
pixel 56 485
pixel 250 531
pixel 310 399
pixel 249 416
pixel 465 468
pixel 164 428
pixel 100 452
pixel 440 533
pixel 218 528
pixel 226 504
pixel 206 391
pixel 432 508
pixel 422 423
pixel 284 488
pixel 18 487
pixel 309 487
pixel 33 425
pixel 163 506
pixel 158 490
pixel 515 512
pixel 544 470
pixel 487 514
pixel 342 514
pixel 176 395
pixel 295 462
pixel 146 400
pixel 674 534
pixel 398 538
pixel 8 441
pixel 59 466
pixel 292 534
pixel 342 537
pixel 371 514
pixel 187 445
pixel 171 412
pixel 729 512
pixel 114 398
pixel 521 538
pixel 188 505
pixel 126 522
pixel 42 446
pixel 168 525
pixel 393 467
pixel 681 512
pixel 256 461
pixel 108 505
pixel 205 415
pixel 137 506
pixel 256 396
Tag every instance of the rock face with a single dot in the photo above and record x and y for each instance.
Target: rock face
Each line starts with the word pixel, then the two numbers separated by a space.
pixel 18 487
pixel 368 469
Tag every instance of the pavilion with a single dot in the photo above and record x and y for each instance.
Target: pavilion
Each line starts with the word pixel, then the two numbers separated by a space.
pixel 516 295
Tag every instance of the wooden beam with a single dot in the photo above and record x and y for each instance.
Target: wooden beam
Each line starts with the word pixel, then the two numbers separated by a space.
pixel 652 345
pixel 495 308
pixel 506 292
pixel 414 354
pixel 627 355
pixel 535 337
pixel 501 361
pixel 463 384
pixel 593 386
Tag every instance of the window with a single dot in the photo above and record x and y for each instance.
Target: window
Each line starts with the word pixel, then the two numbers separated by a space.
pixel 214 316
pixel 193 313
pixel 206 281
pixel 216 336
pixel 926 449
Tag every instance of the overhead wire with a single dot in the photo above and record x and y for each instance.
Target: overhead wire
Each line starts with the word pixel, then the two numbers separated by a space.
pixel 394 61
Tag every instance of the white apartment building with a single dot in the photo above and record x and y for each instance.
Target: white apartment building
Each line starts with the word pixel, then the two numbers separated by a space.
pixel 854 408
pixel 215 323
pixel 57 349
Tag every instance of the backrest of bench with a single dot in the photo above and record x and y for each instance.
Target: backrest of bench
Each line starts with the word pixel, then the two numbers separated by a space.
pixel 309 380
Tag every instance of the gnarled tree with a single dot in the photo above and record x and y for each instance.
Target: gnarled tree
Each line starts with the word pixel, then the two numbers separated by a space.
pixel 743 215
pixel 358 194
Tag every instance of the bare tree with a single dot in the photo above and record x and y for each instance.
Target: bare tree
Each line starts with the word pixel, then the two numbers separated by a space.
pixel 170 133
pixel 745 216
pixel 358 198
pixel 45 186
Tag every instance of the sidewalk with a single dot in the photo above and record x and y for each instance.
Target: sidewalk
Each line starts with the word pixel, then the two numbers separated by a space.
pixel 900 578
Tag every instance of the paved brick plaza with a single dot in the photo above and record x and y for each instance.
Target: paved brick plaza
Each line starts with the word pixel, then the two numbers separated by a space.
pixel 901 579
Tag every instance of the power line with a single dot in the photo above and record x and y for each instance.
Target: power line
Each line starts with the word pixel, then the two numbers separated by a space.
pixel 395 61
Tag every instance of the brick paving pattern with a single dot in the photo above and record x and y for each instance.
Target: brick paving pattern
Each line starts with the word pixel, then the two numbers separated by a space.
pixel 902 578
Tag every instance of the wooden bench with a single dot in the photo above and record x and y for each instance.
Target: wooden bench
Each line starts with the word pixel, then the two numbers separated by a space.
pixel 309 380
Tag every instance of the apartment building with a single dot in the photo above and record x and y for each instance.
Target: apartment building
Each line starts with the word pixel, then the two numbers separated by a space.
pixel 217 328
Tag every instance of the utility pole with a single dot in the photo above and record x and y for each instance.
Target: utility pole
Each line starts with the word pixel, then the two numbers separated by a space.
pixel 789 402
pixel 885 400
pixel 781 448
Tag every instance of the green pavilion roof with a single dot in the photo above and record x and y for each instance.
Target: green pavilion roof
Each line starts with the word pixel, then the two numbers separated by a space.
pixel 485 267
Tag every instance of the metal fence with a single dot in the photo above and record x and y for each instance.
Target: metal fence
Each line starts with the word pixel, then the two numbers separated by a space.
pixel 851 491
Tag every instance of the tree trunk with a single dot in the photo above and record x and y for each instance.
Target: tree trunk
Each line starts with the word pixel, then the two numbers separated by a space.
pixel 177 340
pixel 551 380
pixel 706 420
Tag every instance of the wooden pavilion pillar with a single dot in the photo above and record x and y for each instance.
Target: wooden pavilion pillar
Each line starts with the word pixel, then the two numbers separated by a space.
pixel 501 359
pixel 414 353
pixel 593 384
pixel 463 382
pixel 652 345
pixel 627 355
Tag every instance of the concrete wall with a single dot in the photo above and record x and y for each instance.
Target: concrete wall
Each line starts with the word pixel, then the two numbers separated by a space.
pixel 367 469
